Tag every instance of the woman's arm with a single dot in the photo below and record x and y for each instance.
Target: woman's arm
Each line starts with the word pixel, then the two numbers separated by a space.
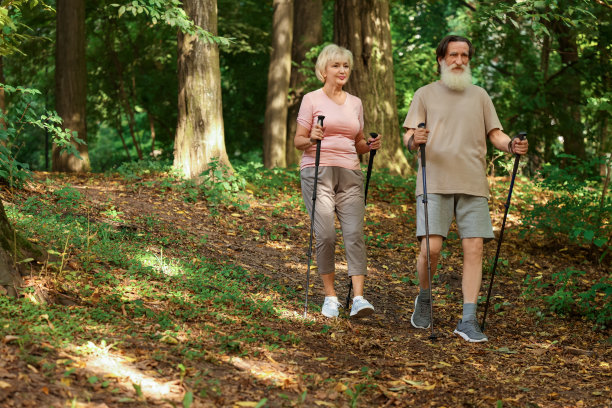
pixel 363 147
pixel 305 138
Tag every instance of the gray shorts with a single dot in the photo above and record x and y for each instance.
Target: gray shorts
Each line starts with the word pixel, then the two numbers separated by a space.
pixel 471 214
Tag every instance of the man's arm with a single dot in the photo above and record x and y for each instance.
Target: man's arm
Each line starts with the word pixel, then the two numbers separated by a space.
pixel 408 142
pixel 503 142
pixel 413 138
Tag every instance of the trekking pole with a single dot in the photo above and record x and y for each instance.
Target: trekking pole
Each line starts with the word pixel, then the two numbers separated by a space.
pixel 312 217
pixel 369 173
pixel 520 136
pixel 432 336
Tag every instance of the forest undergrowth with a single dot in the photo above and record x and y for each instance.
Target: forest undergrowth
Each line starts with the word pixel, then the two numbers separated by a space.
pixel 160 292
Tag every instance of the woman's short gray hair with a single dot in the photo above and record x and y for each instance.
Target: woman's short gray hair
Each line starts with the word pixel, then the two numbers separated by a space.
pixel 332 53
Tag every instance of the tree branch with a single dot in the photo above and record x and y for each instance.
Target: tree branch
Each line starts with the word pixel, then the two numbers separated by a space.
pixel 603 3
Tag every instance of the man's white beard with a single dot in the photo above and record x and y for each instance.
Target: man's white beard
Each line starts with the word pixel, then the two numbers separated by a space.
pixel 455 81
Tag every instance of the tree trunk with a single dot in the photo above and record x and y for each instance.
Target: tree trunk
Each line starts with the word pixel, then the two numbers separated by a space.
pixel 363 27
pixel 199 134
pixel 275 122
pixel 307 33
pixel 152 127
pixel 13 248
pixel 570 124
pixel 2 94
pixel 71 82
pixel 120 133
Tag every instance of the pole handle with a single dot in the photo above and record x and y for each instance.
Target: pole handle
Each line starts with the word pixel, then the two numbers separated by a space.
pixel 318 155
pixel 373 151
pixel 422 125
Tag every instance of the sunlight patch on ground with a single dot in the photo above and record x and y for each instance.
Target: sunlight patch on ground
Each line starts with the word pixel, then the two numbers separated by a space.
pixel 105 364
pixel 271 372
pixel 159 263
pixel 279 245
pixel 296 315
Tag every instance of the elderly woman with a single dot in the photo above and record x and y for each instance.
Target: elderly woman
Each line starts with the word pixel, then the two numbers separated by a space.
pixel 340 181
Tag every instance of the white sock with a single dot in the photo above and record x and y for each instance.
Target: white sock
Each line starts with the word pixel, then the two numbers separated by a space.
pixel 332 298
pixel 357 298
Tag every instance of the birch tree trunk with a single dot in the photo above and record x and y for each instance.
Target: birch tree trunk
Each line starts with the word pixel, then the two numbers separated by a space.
pixel 363 28
pixel 199 134
pixel 307 33
pixel 71 82
pixel 275 123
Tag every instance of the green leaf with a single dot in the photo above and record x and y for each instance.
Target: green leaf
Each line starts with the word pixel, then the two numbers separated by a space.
pixel 599 242
pixel 188 399
pixel 121 11
pixel 588 235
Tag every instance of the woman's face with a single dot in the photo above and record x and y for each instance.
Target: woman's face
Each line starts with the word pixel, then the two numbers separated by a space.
pixel 337 72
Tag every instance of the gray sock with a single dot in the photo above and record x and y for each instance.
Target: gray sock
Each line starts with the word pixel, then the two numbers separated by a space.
pixel 424 295
pixel 469 311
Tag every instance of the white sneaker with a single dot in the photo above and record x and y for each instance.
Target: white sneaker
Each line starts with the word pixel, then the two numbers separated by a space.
pixel 330 306
pixel 361 307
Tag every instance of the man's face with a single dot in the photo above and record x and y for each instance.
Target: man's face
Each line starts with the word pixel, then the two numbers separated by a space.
pixel 457 56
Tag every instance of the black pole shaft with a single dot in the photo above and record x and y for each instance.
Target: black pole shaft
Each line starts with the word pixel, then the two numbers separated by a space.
pixel 365 201
pixel 521 136
pixel 312 216
pixel 426 213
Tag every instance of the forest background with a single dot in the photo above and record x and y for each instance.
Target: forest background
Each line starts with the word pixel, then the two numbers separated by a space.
pixel 193 104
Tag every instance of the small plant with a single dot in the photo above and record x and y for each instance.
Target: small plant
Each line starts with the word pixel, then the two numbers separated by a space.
pixel 222 187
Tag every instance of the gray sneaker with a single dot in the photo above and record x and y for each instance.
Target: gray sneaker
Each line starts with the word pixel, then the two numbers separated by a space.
pixel 470 331
pixel 421 318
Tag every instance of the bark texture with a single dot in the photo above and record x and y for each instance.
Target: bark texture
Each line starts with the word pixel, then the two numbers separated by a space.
pixel 307 33
pixel 200 136
pixel 275 124
pixel 363 28
pixel 71 82
pixel 12 246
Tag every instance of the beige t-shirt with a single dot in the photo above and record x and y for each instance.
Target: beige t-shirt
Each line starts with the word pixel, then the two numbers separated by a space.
pixel 459 122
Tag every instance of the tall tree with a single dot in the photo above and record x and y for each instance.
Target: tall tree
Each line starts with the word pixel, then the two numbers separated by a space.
pixel 307 33
pixel 570 96
pixel 363 28
pixel 199 135
pixel 275 122
pixel 71 82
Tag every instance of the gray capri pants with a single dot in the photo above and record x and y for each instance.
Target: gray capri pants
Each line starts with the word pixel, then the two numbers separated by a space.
pixel 339 191
pixel 471 214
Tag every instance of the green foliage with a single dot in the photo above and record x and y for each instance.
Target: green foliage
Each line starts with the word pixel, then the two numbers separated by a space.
pixel 220 186
pixel 244 70
pixel 133 171
pixel 68 198
pixel 269 182
pixel 577 211
pixel 11 30
pixel 568 295
pixel 171 13
pixel 24 114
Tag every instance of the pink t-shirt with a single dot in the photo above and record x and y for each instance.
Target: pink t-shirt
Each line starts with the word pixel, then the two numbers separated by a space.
pixel 342 124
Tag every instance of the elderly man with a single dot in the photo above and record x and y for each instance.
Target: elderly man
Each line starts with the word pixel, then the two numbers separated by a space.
pixel 459 117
